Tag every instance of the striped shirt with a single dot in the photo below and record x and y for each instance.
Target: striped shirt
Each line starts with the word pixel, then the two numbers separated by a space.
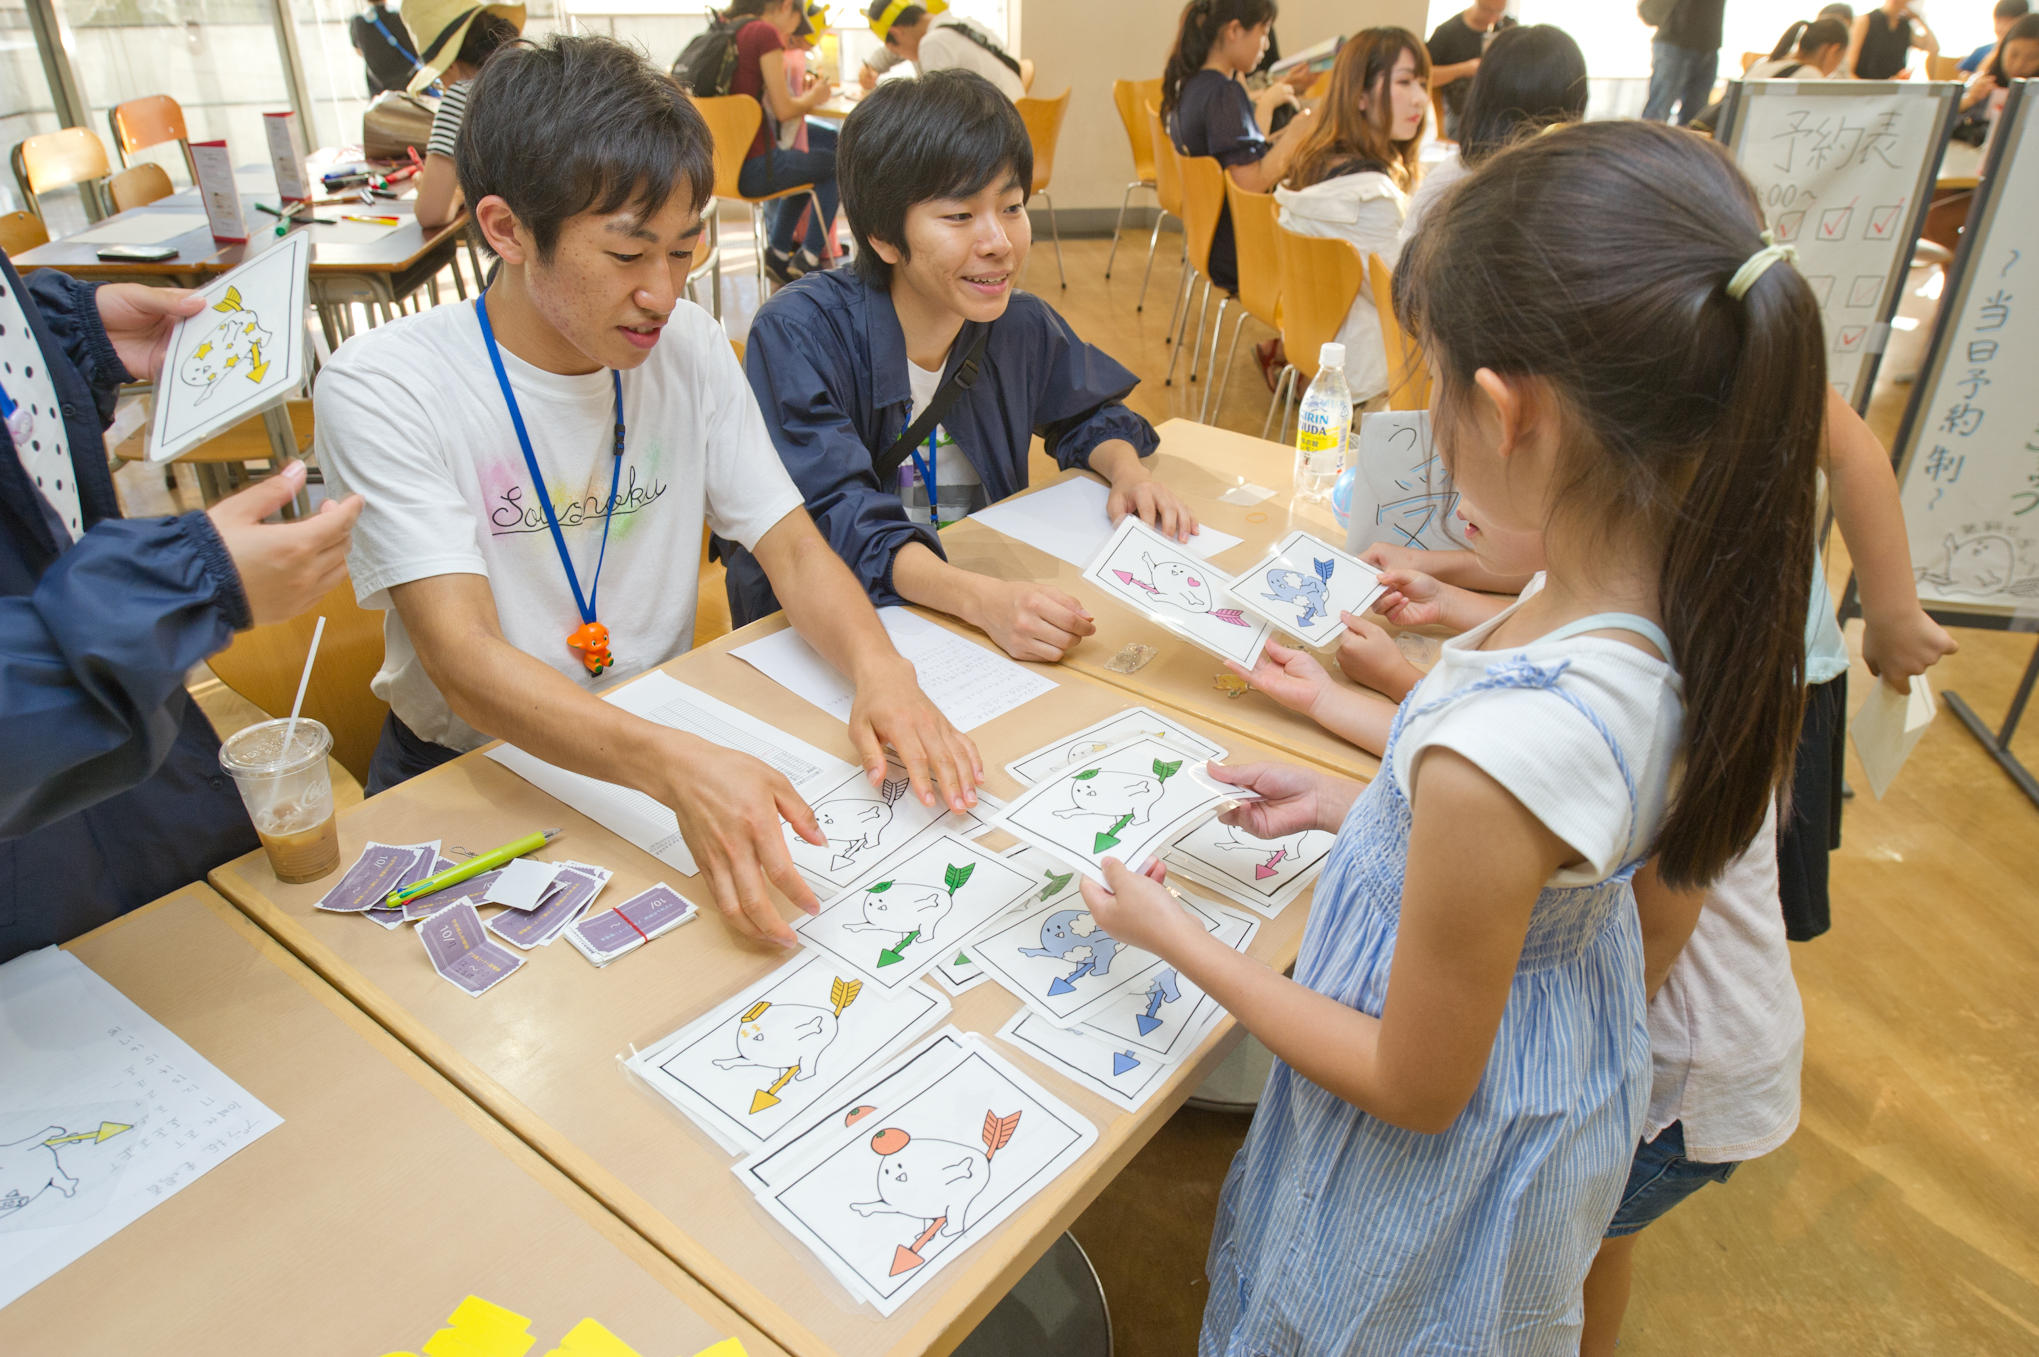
pixel 446 122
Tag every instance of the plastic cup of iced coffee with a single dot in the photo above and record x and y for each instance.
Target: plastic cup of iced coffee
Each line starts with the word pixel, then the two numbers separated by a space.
pixel 289 794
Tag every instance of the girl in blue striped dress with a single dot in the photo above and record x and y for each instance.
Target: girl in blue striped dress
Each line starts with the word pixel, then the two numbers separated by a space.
pixel 1462 1056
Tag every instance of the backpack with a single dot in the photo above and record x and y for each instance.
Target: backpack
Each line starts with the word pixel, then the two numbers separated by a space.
pixel 706 66
pixel 963 30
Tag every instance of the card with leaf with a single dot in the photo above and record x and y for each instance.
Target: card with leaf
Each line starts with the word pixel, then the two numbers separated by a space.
pixel 914 909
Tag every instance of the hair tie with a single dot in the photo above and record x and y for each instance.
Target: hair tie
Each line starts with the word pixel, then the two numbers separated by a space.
pixel 1757 264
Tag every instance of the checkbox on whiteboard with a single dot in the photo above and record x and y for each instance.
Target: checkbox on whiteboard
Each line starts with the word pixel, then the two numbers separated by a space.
pixel 1865 290
pixel 1788 227
pixel 1883 222
pixel 1822 285
pixel 1834 222
pixel 1848 339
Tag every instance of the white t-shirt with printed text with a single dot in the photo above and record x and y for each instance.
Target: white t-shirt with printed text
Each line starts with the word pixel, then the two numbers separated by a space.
pixel 411 416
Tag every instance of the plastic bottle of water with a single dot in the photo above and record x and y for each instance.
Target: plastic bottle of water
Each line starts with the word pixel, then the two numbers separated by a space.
pixel 1323 425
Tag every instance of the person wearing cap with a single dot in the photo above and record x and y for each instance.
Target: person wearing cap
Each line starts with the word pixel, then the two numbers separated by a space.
pixel 388 56
pixel 767 166
pixel 539 466
pixel 916 31
pixel 935 176
pixel 463 37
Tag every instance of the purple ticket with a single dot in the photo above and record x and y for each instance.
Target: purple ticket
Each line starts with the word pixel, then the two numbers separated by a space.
pixel 573 888
pixel 380 869
pixel 461 951
pixel 471 889
pixel 637 920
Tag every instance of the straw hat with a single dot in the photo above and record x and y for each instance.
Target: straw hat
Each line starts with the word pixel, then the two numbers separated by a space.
pixel 438 27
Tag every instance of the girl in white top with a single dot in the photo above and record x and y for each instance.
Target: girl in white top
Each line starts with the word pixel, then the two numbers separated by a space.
pixel 1352 175
pixel 1463 1058
pixel 1532 76
pixel 1807 51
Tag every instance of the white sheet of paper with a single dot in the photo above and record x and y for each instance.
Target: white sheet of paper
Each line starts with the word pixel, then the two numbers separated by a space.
pixel 242 354
pixel 1126 803
pixel 1303 584
pixel 104 1114
pixel 141 228
pixel 906 913
pixel 753 1066
pixel 1154 577
pixel 890 1205
pixel 1068 520
pixel 1886 727
pixel 969 682
pixel 1265 875
pixel 1246 494
pixel 1095 739
pixel 521 884
pixel 663 699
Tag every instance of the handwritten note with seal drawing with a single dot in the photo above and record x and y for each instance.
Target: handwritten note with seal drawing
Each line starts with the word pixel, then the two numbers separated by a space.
pixel 1303 585
pixel 243 353
pixel 1175 589
pixel 1126 803
pixel 1402 495
pixel 104 1115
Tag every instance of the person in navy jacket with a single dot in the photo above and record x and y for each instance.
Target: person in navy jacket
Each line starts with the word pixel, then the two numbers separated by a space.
pixel 935 174
pixel 111 793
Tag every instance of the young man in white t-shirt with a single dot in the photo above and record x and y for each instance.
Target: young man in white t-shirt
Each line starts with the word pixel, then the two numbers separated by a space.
pixel 915 33
pixel 587 170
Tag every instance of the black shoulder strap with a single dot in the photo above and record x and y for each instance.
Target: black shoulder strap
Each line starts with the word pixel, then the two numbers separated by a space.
pixel 1005 58
pixel 961 380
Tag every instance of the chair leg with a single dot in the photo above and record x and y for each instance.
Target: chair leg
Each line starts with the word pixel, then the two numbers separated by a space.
pixel 1214 403
pixel 1187 271
pixel 1119 226
pixel 1273 400
pixel 1196 350
pixel 1055 229
pixel 459 276
pixel 1185 301
pixel 1153 240
pixel 1197 354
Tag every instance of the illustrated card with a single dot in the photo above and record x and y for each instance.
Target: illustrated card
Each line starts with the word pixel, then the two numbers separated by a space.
pixel 1051 758
pixel 1055 958
pixel 244 352
pixel 1263 874
pixel 898 1197
pixel 1128 803
pixel 913 910
pixel 864 825
pixel 1302 585
pixel 1177 589
pixel 751 1066
pixel 1165 1017
pixel 1122 1074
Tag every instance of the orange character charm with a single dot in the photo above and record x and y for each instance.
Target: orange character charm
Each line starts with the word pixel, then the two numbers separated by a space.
pixel 591 639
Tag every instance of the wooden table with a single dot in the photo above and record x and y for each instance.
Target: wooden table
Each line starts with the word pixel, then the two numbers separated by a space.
pixel 540 1051
pixel 1960 167
pixel 359 1224
pixel 1199 463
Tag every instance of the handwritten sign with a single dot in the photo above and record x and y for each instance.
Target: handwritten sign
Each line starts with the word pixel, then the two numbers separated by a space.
pixel 1844 171
pixel 1402 495
pixel 1969 446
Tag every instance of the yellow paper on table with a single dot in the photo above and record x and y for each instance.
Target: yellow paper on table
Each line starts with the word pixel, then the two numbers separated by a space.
pixel 1887 726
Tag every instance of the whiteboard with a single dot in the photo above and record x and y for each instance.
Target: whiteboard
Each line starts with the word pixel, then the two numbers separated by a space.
pixel 1844 170
pixel 1968 450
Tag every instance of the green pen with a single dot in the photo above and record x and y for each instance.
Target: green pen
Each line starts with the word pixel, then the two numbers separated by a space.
pixel 473 867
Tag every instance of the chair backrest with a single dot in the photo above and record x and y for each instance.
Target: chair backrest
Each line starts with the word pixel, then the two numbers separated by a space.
pixel 1437 115
pixel 733 120
pixel 21 232
pixel 1751 58
pixel 263 662
pixel 1131 98
pixel 1320 277
pixel 139 185
pixel 1043 118
pixel 1943 68
pixel 1203 195
pixel 148 121
pixel 57 160
pixel 1167 164
pixel 1253 222
pixel 1408 374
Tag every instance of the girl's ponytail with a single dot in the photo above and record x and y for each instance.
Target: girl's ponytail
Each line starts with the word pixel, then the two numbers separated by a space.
pixel 1788 44
pixel 1692 416
pixel 1202 21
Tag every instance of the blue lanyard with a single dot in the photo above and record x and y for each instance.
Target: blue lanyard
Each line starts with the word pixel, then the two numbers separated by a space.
pixel 926 470
pixel 390 38
pixel 585 605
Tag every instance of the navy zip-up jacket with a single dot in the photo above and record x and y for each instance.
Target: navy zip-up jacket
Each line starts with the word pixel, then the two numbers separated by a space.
pixel 827 361
pixel 111 793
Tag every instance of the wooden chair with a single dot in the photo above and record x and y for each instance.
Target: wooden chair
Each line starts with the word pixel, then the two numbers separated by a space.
pixel 1253 223
pixel 1043 118
pixel 1167 192
pixel 263 664
pixel 1131 97
pixel 150 121
pixel 733 120
pixel 21 232
pixel 1203 200
pixel 1749 59
pixel 1408 374
pixel 57 160
pixel 1437 115
pixel 1944 68
pixel 221 461
pixel 139 185
pixel 1320 277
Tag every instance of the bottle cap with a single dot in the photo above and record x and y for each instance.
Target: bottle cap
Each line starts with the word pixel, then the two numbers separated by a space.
pixel 1331 356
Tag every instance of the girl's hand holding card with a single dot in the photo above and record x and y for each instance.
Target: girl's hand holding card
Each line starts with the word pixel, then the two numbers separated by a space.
pixel 1291 798
pixel 1135 908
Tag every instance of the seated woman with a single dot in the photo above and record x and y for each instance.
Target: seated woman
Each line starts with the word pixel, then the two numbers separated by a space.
pixel 1531 78
pixel 1883 39
pixel 1807 51
pixel 1205 106
pixel 1352 175
pixel 459 38
pixel 903 395
pixel 767 166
